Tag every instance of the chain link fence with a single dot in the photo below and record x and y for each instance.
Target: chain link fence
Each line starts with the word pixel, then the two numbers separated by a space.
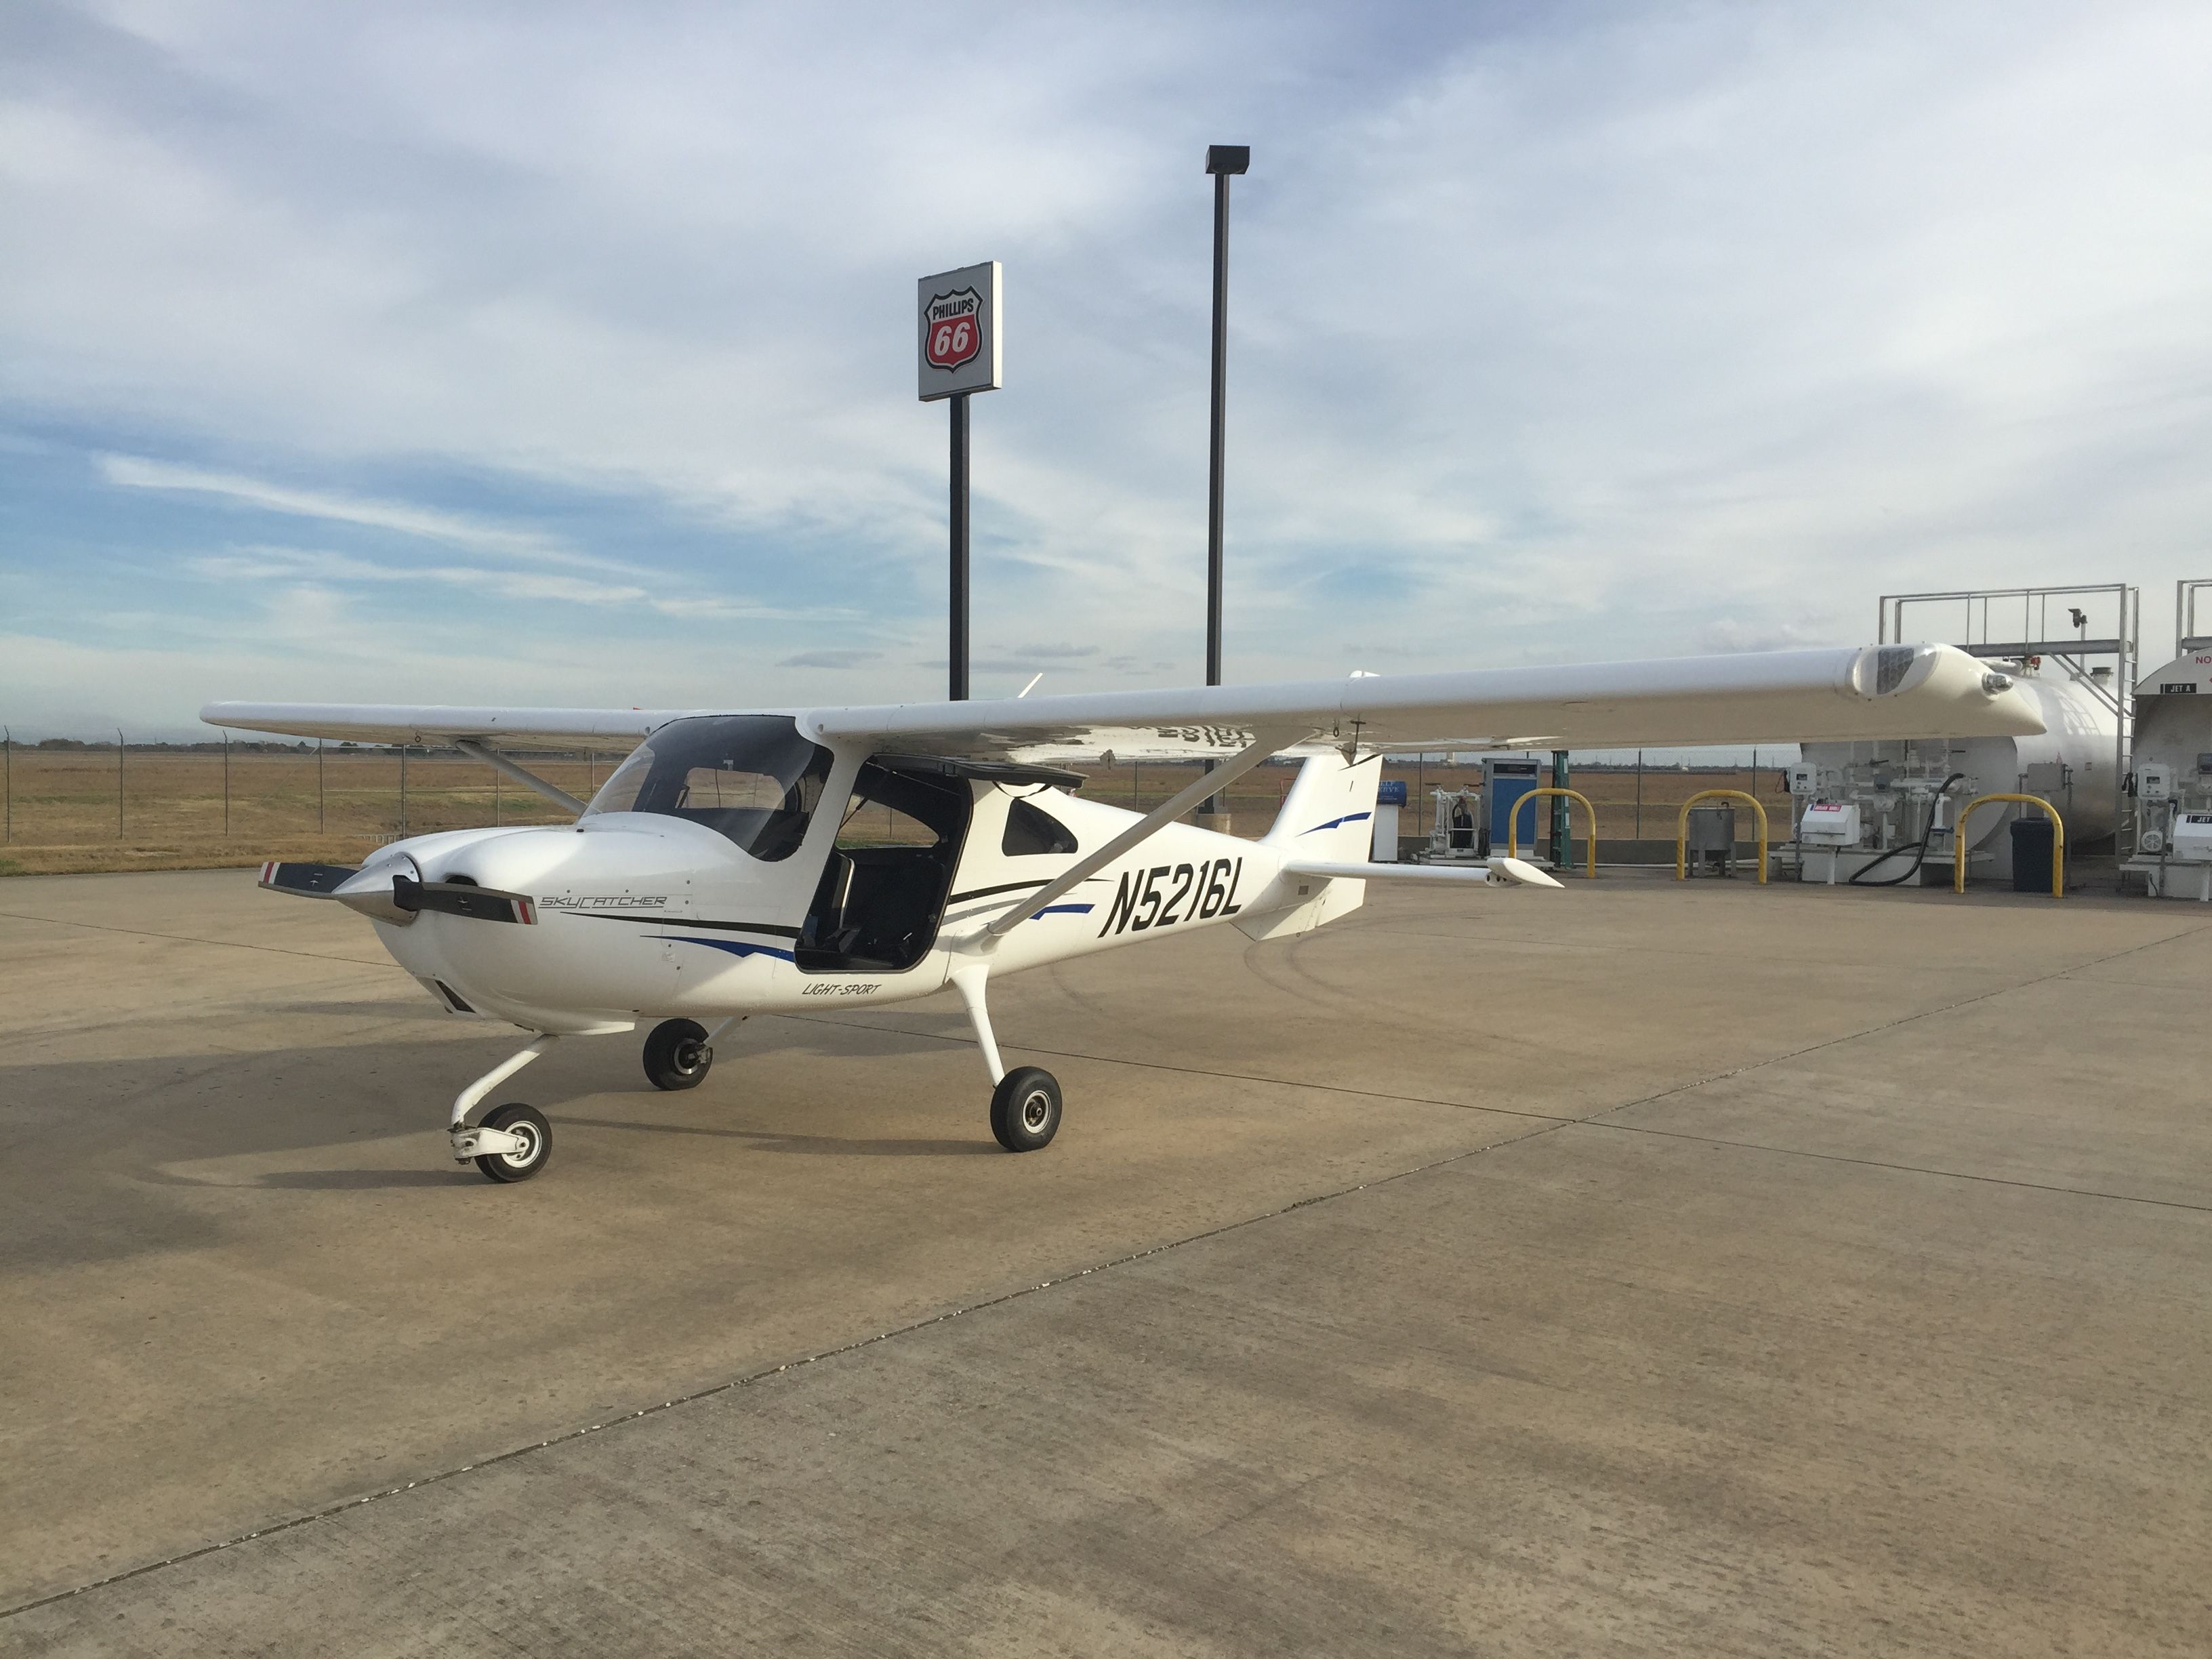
pixel 68 806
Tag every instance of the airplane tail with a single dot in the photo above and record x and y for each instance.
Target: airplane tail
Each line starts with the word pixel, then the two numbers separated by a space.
pixel 1328 818
pixel 1329 814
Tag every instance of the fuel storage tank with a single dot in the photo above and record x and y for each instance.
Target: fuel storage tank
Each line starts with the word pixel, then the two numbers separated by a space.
pixel 1903 818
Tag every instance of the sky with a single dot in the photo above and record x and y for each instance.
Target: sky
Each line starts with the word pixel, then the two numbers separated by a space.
pixel 562 354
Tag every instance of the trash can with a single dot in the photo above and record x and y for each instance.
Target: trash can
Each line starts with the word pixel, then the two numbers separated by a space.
pixel 1711 836
pixel 2034 844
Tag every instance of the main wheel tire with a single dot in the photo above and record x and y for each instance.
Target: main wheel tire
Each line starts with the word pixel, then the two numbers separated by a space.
pixel 528 1125
pixel 1025 1109
pixel 676 1054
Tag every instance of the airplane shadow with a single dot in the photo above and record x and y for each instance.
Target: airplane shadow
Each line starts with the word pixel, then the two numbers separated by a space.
pixel 777 1141
pixel 357 1180
pixel 128 1133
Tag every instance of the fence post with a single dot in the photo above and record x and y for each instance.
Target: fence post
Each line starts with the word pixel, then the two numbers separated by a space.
pixel 318 786
pixel 8 777
pixel 226 783
pixel 402 791
pixel 498 808
pixel 1562 838
pixel 118 783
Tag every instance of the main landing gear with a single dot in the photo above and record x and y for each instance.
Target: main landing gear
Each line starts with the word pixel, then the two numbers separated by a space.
pixel 679 1053
pixel 1024 1101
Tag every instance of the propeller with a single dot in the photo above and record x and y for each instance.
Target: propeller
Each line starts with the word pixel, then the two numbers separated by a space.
pixel 307 880
pixel 463 898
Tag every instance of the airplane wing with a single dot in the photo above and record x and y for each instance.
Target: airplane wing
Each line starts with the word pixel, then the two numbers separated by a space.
pixel 555 729
pixel 1877 691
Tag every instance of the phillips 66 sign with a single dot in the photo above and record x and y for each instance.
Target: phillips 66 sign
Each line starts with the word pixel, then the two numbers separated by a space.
pixel 957 332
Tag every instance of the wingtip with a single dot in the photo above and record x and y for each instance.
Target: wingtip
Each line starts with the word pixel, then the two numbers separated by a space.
pixel 1521 872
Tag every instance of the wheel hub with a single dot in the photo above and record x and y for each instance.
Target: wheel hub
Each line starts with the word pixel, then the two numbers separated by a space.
pixel 1036 1107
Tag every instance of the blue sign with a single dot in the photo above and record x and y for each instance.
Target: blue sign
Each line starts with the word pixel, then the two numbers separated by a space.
pixel 1392 794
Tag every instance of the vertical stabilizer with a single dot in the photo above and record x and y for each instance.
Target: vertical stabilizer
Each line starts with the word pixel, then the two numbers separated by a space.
pixel 1330 812
pixel 1329 817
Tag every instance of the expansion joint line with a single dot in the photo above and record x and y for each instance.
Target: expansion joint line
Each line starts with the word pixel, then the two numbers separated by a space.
pixel 765 1374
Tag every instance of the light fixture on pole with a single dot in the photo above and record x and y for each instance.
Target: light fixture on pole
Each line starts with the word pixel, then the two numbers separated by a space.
pixel 1223 162
pixel 957 354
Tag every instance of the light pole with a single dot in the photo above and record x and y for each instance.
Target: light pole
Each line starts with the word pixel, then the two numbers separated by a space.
pixel 1223 162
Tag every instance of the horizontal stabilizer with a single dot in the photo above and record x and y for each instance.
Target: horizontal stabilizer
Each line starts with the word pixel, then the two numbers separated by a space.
pixel 1499 872
pixel 305 880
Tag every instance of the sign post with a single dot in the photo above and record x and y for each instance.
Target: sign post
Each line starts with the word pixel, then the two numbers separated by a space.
pixel 956 354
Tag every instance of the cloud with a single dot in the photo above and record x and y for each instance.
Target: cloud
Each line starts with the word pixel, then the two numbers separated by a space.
pixel 262 564
pixel 284 563
pixel 829 659
pixel 1556 333
pixel 137 473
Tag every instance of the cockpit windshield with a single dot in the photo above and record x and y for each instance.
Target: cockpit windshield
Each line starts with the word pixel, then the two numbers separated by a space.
pixel 751 777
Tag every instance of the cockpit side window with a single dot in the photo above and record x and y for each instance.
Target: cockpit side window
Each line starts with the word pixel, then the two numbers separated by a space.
pixel 1032 829
pixel 751 777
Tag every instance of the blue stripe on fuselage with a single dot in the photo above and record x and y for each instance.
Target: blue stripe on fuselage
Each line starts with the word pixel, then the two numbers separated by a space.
pixel 735 947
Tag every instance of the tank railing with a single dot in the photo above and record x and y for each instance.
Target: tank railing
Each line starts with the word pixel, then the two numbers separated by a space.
pixel 1513 822
pixel 2186 639
pixel 1682 831
pixel 2057 842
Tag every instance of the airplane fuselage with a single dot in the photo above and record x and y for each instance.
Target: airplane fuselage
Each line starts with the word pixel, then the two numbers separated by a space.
pixel 642 915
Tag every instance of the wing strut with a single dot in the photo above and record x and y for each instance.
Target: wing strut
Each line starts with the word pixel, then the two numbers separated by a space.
pixel 1266 744
pixel 476 748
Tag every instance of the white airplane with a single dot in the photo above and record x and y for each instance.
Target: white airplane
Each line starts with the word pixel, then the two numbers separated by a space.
pixel 743 863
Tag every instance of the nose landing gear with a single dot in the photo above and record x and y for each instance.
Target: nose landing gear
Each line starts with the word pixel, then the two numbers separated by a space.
pixel 513 1142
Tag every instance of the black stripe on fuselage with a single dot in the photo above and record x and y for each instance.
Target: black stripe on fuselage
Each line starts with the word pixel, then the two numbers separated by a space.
pixel 1003 887
pixel 770 927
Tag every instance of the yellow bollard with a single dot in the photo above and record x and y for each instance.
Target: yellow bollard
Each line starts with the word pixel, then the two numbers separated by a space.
pixel 1513 822
pixel 2057 842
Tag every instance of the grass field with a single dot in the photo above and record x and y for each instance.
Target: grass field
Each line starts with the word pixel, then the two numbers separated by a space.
pixel 63 813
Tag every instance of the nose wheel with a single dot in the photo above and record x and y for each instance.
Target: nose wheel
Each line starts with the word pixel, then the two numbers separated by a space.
pixel 1025 1109
pixel 511 1142
pixel 516 1140
pixel 679 1054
